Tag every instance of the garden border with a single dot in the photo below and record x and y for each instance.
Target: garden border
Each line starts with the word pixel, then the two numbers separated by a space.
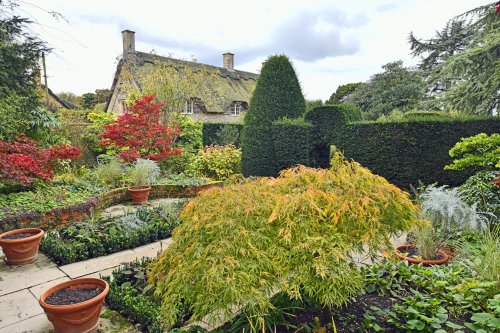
pixel 65 215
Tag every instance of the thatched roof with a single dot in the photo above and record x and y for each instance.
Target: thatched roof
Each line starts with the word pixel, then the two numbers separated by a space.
pixel 236 85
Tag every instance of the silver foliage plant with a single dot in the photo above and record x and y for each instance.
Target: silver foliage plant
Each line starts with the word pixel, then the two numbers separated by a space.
pixel 447 210
pixel 144 172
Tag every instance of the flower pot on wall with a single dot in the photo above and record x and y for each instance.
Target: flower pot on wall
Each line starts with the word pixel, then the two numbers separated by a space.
pixel 400 250
pixel 82 317
pixel 21 245
pixel 139 194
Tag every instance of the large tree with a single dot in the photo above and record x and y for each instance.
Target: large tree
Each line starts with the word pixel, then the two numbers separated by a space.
pixel 277 95
pixel 397 87
pixel 20 109
pixel 342 92
pixel 462 62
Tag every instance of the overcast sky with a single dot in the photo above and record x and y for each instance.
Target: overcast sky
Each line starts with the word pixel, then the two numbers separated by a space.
pixel 330 42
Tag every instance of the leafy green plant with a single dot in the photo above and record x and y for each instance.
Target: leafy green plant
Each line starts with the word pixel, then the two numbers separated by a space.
pixel 426 242
pixel 484 253
pixel 480 152
pixel 293 234
pixel 480 190
pixel 217 162
pixel 182 180
pixel 485 322
pixel 144 172
pixel 110 172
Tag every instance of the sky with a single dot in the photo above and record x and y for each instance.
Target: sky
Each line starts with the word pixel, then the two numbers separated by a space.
pixel 330 42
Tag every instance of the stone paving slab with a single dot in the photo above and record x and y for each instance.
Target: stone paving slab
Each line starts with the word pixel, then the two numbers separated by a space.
pixel 36 324
pixel 122 209
pixel 18 306
pixel 82 268
pixel 39 289
pixel 151 250
pixel 8 272
pixel 30 278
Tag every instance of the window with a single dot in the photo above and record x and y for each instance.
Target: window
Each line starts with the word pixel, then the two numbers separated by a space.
pixel 235 109
pixel 189 107
pixel 124 106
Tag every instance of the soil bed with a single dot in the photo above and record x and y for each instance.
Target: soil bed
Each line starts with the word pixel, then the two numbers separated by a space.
pixel 413 253
pixel 19 236
pixel 72 295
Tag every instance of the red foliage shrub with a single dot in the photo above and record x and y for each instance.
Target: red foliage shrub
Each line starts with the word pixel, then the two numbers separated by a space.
pixel 23 161
pixel 139 133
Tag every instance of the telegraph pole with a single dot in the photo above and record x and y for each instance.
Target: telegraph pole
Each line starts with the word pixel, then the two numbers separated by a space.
pixel 45 81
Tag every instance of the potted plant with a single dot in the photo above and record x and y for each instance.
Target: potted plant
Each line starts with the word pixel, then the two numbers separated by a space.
pixel 21 245
pixel 75 306
pixel 142 174
pixel 449 217
pixel 426 251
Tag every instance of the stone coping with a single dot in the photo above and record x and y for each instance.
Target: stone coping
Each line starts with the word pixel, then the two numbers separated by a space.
pixel 66 215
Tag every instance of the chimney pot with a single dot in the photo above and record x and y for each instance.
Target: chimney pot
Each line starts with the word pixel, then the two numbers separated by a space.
pixel 228 60
pixel 128 37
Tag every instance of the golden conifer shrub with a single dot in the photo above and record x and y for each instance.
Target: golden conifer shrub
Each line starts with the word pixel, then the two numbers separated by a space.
pixel 240 244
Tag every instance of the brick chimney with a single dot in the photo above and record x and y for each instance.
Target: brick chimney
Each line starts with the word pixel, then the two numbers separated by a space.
pixel 128 42
pixel 228 60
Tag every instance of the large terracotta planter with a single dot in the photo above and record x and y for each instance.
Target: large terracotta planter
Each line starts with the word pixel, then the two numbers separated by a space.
pixel 401 249
pixel 80 317
pixel 21 251
pixel 139 194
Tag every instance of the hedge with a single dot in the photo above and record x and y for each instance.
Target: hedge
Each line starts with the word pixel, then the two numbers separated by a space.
pixel 292 142
pixel 410 151
pixel 218 133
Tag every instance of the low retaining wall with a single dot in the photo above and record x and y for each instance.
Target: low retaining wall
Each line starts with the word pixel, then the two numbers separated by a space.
pixel 66 215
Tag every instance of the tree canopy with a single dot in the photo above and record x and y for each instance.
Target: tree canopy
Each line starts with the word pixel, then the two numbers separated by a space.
pixel 462 62
pixel 20 50
pixel 397 87
pixel 342 92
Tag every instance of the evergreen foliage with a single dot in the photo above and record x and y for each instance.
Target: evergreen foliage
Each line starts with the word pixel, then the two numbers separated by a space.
pixel 462 62
pixel 292 142
pixel 277 95
pixel 342 92
pixel 240 244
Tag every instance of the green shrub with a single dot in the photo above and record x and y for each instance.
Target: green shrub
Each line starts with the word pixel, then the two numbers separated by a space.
pixel 277 95
pixel 110 172
pixel 242 243
pixel 479 190
pixel 222 134
pixel 217 162
pixel 478 152
pixel 292 142
pixel 93 238
pixel 412 115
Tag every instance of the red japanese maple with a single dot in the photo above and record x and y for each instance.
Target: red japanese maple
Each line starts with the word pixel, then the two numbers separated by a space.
pixel 139 133
pixel 23 161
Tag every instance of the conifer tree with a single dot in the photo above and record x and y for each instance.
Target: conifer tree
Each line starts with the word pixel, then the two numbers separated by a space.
pixel 277 95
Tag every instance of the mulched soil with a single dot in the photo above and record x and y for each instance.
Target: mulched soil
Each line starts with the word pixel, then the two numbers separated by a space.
pixel 19 236
pixel 72 295
pixel 413 252
pixel 348 319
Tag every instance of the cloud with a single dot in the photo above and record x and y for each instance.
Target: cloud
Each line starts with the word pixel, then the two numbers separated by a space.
pixel 385 7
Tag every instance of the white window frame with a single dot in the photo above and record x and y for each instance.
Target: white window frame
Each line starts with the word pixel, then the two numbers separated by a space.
pixel 188 107
pixel 235 109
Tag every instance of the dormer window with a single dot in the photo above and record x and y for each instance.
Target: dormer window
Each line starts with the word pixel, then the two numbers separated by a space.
pixel 235 109
pixel 189 107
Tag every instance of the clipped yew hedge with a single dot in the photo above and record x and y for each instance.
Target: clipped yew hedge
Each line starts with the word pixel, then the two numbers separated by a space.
pixel 410 151
pixel 292 142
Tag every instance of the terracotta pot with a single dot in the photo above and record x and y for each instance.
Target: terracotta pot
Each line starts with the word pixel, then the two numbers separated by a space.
pixel 80 317
pixel 22 250
pixel 139 194
pixel 401 249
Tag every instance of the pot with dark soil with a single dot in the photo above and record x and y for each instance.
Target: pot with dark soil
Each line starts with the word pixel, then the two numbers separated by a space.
pixel 21 245
pixel 410 253
pixel 139 194
pixel 75 306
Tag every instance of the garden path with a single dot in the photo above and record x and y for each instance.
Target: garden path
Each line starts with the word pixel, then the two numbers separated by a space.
pixel 20 286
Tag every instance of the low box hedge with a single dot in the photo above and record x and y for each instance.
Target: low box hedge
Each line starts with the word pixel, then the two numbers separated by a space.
pixel 98 237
